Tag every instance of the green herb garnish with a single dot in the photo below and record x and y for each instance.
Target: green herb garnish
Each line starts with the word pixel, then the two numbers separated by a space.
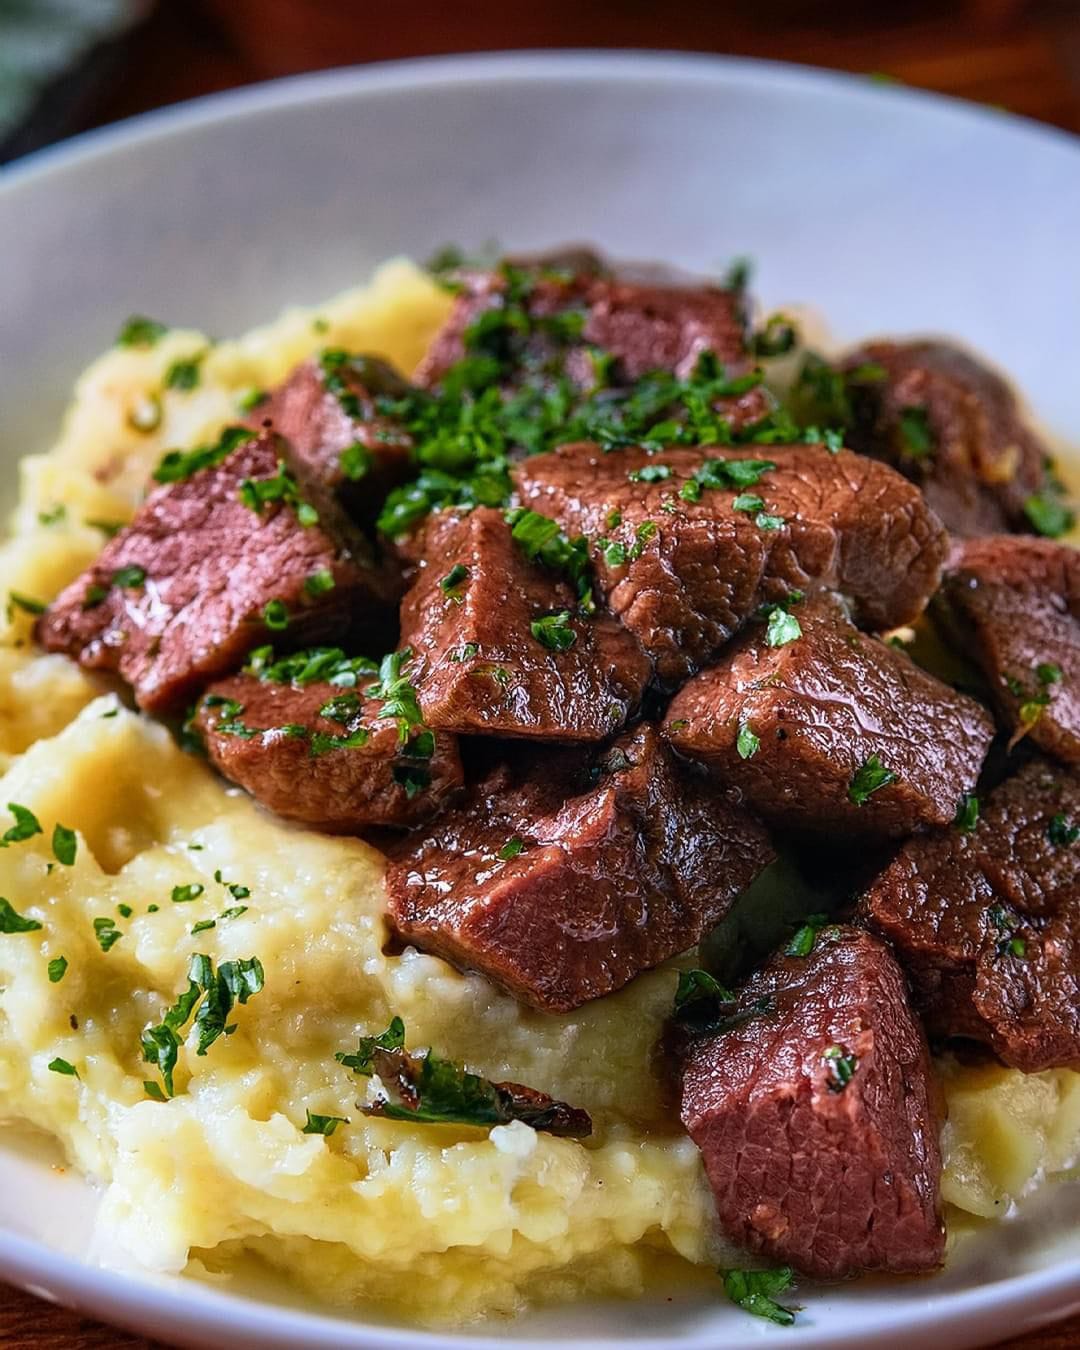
pixel 870 777
pixel 747 743
pixel 64 845
pixel 13 922
pixel 554 632
pixel 139 331
pixel 754 1291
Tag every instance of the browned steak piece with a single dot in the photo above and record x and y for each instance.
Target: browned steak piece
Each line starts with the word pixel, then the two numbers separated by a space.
pixel 952 425
pixel 323 754
pixel 831 730
pixel 987 923
pixel 638 327
pixel 340 445
pixel 1013 605
pixel 564 875
pixel 688 543
pixel 501 647
pixel 817 1118
pixel 200 576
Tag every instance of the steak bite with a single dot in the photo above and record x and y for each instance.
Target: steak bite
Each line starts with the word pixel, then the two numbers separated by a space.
pixel 951 425
pixel 541 317
pixel 502 647
pixel 339 444
pixel 987 923
pixel 831 729
pixel 1013 605
pixel 324 755
pixel 213 563
pixel 816 1116
pixel 688 543
pixel 565 875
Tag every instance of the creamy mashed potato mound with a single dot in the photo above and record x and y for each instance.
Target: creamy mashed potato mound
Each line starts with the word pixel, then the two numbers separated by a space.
pixel 436 1223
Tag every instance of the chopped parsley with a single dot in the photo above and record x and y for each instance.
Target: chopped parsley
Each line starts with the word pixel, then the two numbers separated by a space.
pixel 705 1007
pixel 841 1067
pixel 13 922
pixel 747 743
pixel 276 615
pixel 323 1124
pixel 802 942
pixel 870 777
pixel 214 993
pixel 53 517
pixel 176 465
pixel 250 400
pixel 63 1067
pixel 754 1291
pixel 782 627
pixel 316 664
pixel 183 375
pixel 554 632
pixel 437 1091
pixel 511 848
pixel 125 911
pixel 1061 832
pixel 541 540
pixel 967 813
pixel 57 969
pixel 182 895
pixel 778 337
pixel 25 603
pixel 615 553
pixel 139 331
pixel 1048 672
pixel 1049 514
pixel 319 582
pixel 748 501
pixel 25 827
pixel 454 578
pixel 916 436
pixel 107 933
pixel 651 473
pixel 281 486
pixel 130 578
pixel 64 845
pixel 1005 922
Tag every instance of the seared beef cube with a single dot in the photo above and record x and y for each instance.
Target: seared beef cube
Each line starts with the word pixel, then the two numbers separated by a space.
pixel 832 730
pixel 688 543
pixel 213 564
pixel 339 444
pixel 987 922
pixel 951 425
pixel 501 646
pixel 816 1115
pixel 1013 605
pixel 565 876
pixel 639 328
pixel 322 754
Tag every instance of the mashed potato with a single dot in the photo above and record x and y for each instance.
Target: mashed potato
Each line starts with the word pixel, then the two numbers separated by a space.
pixel 477 1221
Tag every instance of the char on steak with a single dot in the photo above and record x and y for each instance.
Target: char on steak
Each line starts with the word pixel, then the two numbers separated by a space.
pixel 987 922
pixel 322 754
pixel 831 730
pixel 501 645
pixel 1012 604
pixel 567 873
pixel 951 425
pixel 200 576
pixel 340 444
pixel 816 1116
pixel 688 543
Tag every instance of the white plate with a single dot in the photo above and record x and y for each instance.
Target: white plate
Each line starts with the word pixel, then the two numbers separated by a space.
pixel 886 210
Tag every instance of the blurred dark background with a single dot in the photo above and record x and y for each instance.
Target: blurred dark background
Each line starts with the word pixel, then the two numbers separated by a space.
pixel 66 65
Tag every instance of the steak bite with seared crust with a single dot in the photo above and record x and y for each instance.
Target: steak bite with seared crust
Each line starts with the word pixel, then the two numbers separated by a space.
pixel 951 425
pixel 815 1113
pixel 536 317
pixel 565 875
pixel 339 443
pixel 502 645
pixel 688 543
pixel 224 555
pixel 826 729
pixel 1013 606
pixel 987 921
pixel 323 753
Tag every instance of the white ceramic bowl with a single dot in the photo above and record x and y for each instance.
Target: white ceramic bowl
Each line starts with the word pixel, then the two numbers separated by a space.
pixel 887 211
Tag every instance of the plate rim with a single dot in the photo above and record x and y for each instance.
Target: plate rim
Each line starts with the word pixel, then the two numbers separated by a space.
pixel 1016 1303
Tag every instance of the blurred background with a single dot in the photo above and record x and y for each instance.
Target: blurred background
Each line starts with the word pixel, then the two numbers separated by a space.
pixel 67 65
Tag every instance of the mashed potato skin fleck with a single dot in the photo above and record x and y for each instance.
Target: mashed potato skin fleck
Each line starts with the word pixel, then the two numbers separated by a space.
pixel 438 1224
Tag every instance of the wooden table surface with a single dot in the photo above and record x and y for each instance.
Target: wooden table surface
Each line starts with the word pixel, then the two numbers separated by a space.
pixel 1023 55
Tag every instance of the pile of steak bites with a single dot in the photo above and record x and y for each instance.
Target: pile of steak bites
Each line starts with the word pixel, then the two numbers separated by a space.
pixel 634 620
